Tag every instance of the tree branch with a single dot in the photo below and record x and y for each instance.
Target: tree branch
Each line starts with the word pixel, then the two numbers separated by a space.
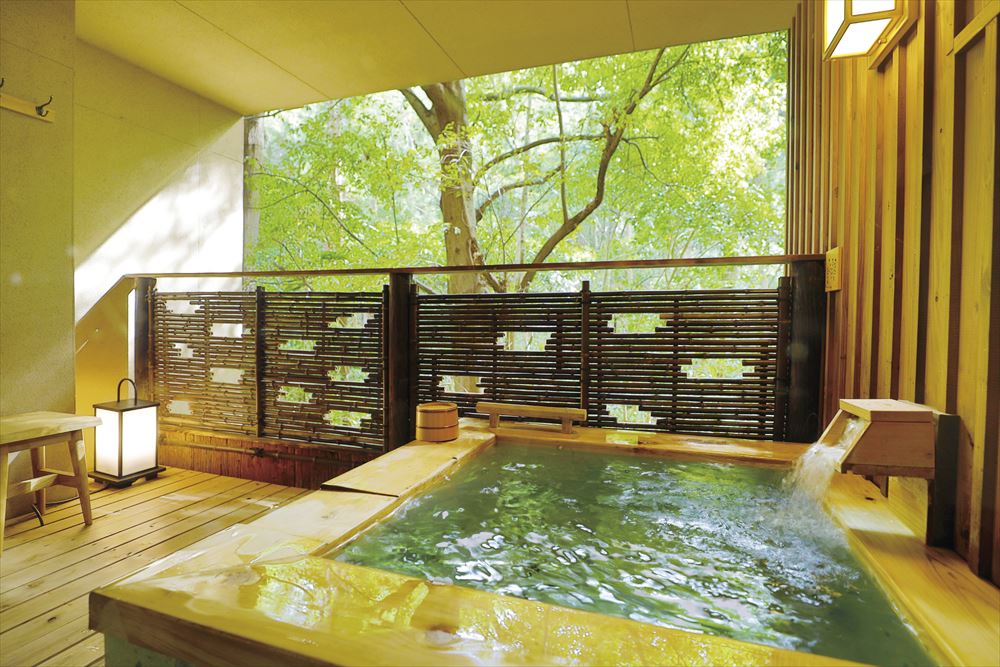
pixel 508 93
pixel 425 115
pixel 613 135
pixel 507 187
pixel 514 152
pixel 308 190
pixel 562 145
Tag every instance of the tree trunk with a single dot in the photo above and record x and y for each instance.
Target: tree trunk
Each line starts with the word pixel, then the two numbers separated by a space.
pixel 458 208
pixel 251 162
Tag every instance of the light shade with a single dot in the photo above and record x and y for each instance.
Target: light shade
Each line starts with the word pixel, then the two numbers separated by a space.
pixel 854 27
pixel 125 442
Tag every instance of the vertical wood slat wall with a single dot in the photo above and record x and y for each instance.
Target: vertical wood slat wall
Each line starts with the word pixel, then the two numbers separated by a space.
pixel 898 166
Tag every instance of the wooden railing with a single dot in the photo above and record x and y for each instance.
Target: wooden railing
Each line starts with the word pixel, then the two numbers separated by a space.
pixel 350 367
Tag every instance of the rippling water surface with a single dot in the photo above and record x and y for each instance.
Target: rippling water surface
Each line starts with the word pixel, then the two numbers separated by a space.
pixel 714 548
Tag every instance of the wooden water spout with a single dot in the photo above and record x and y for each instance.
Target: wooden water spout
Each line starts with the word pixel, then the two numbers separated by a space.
pixel 884 437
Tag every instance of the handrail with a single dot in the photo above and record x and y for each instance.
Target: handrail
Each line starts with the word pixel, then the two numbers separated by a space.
pixel 758 260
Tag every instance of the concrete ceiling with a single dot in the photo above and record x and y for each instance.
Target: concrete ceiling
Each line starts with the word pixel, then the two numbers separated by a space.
pixel 258 55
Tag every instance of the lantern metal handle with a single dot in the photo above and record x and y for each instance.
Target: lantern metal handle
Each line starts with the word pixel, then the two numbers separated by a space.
pixel 135 391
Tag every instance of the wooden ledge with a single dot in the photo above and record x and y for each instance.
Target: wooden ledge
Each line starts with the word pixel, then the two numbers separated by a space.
pixel 954 610
pixel 238 613
pixel 707 448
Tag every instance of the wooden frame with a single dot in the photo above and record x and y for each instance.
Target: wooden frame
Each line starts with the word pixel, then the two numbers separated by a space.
pixel 903 17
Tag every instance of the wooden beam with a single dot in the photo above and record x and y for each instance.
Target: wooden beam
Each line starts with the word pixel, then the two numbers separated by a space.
pixel 141 358
pixel 759 260
pixel 806 352
pixel 975 27
pixel 397 407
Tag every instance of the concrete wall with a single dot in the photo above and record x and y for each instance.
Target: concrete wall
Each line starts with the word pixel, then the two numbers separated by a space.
pixel 136 174
pixel 37 54
pixel 158 175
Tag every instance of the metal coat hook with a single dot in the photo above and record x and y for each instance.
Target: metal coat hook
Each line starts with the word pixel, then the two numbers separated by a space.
pixel 1 81
pixel 41 108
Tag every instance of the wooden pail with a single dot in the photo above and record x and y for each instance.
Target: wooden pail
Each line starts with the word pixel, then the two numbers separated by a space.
pixel 437 421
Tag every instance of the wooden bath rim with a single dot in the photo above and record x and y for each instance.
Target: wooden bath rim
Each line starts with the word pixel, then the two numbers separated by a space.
pixel 957 614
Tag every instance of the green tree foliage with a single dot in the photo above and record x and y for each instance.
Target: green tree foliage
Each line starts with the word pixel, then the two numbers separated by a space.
pixel 678 152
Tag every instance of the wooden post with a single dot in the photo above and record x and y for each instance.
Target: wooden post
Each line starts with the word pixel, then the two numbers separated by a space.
pixel 585 348
pixel 398 408
pixel 142 347
pixel 414 340
pixel 259 357
pixel 805 351
pixel 781 376
pixel 942 491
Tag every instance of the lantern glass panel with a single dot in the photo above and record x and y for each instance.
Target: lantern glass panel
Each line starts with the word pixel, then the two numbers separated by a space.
pixel 861 7
pixel 859 38
pixel 138 440
pixel 834 17
pixel 106 442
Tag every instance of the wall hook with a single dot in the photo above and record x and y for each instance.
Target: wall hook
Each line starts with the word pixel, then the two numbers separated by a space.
pixel 1 81
pixel 40 109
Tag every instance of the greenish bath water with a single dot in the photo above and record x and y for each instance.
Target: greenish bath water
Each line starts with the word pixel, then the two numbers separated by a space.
pixel 713 548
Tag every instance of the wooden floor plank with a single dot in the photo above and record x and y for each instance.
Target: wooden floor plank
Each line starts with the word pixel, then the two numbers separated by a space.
pixel 44 636
pixel 26 611
pixel 77 655
pixel 101 496
pixel 76 518
pixel 29 573
pixel 43 619
pixel 20 555
pixel 120 546
pixel 64 643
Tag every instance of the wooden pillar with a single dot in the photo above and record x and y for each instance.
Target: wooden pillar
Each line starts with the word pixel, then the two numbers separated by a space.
pixel 142 347
pixel 805 351
pixel 585 349
pixel 398 405
pixel 782 371
pixel 942 491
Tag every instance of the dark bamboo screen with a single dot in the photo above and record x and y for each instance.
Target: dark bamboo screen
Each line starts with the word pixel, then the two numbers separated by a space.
pixel 188 347
pixel 304 366
pixel 701 362
pixel 322 367
pixel 705 362
pixel 310 366
pixel 465 349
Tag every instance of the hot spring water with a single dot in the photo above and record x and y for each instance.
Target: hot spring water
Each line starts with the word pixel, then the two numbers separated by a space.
pixel 729 550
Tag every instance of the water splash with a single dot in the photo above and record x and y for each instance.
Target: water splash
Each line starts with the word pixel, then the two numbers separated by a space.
pixel 810 478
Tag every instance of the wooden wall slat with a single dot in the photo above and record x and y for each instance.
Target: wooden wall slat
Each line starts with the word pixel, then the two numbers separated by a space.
pixel 908 165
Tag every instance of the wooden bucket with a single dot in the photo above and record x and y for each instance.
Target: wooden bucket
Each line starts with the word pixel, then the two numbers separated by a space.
pixel 437 421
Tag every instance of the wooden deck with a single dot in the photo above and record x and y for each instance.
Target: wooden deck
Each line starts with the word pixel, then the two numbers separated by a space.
pixel 47 571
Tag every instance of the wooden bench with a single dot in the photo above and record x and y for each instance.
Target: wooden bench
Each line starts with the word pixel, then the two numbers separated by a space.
pixel 566 416
pixel 34 431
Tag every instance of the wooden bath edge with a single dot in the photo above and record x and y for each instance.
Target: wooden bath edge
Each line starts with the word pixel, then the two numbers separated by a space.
pixel 320 522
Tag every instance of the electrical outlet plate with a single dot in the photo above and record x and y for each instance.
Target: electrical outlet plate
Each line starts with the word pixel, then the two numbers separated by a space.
pixel 833 269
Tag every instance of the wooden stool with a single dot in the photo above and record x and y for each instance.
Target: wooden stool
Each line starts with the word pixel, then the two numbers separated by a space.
pixel 33 431
pixel 566 416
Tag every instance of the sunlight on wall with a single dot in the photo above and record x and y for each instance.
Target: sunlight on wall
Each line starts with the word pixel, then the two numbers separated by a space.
pixel 196 223
pixel 157 188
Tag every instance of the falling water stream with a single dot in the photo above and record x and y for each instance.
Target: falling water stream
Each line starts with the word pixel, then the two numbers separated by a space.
pixel 813 472
pixel 729 550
